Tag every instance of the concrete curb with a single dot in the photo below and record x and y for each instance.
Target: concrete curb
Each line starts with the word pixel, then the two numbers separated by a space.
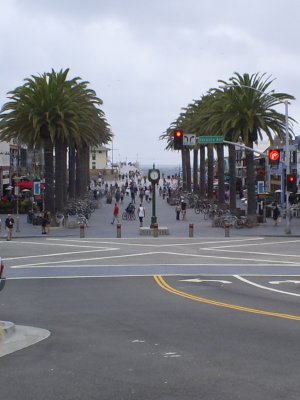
pixel 16 337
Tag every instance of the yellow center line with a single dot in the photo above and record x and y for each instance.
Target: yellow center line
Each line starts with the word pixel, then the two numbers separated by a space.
pixel 164 285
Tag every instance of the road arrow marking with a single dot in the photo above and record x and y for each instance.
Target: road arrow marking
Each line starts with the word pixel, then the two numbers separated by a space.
pixel 197 280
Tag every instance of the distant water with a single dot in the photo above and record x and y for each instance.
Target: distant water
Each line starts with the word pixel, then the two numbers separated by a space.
pixel 164 169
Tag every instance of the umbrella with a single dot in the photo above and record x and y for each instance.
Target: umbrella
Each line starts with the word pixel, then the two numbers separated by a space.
pixel 28 185
pixel 9 188
pixel 25 190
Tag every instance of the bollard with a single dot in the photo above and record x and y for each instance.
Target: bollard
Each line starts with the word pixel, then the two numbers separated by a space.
pixel 118 230
pixel 81 230
pixel 191 230
pixel 155 230
pixel 227 226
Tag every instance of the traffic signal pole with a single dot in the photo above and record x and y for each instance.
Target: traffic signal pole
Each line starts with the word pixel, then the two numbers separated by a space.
pixel 288 169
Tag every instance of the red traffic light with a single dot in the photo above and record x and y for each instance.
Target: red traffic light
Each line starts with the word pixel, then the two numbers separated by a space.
pixel 274 156
pixel 291 183
pixel 178 139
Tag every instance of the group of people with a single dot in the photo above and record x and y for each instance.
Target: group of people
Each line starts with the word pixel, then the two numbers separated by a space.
pixel 180 208
pixel 140 213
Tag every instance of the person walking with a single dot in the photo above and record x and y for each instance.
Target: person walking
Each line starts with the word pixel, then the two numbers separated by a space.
pixel 115 214
pixel 183 208
pixel 276 213
pixel 9 224
pixel 177 210
pixel 141 214
pixel 44 223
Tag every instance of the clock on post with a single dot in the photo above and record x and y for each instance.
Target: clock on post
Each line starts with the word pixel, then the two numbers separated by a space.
pixel 154 175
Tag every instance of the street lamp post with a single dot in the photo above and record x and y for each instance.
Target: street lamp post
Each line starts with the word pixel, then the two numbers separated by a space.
pixel 287 149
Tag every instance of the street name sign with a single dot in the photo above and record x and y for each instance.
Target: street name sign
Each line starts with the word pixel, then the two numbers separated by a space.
pixel 210 139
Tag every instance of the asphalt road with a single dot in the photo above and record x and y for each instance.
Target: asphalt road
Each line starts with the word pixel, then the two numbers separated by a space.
pixel 198 318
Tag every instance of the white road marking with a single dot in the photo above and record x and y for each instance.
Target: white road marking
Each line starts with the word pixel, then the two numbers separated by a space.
pixel 288 281
pixel 60 254
pixel 265 287
pixel 231 258
pixel 253 252
pixel 57 244
pixel 156 244
pixel 197 280
pixel 31 266
pixel 172 354
pixel 81 260
pixel 256 244
pixel 200 256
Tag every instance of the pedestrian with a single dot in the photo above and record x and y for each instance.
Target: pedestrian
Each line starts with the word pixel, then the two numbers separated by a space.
pixel 141 214
pixel 9 224
pixel 48 221
pixel 183 208
pixel 147 195
pixel 44 223
pixel 177 210
pixel 276 213
pixel 132 193
pixel 115 214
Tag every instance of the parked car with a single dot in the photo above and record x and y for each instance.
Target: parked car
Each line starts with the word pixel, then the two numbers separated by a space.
pixel 2 278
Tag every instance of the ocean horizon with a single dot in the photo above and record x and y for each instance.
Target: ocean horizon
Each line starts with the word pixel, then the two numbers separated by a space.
pixel 166 169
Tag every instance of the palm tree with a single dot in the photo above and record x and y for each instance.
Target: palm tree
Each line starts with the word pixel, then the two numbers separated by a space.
pixel 51 112
pixel 248 111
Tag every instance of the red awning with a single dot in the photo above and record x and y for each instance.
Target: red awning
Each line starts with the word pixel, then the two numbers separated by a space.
pixel 28 185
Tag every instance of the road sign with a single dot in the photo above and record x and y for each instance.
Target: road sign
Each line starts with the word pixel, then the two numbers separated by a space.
pixel 210 139
pixel 260 187
pixel 189 139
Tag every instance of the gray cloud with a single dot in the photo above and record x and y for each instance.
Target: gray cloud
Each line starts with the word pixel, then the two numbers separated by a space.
pixel 145 59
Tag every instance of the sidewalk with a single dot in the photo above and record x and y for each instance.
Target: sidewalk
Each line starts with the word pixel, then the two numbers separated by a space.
pixel 100 225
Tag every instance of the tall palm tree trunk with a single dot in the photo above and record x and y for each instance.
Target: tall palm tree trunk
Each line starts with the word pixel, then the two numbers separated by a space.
pixel 195 170
pixel 251 198
pixel 49 202
pixel 221 178
pixel 59 174
pixel 188 170
pixel 79 175
pixel 84 183
pixel 202 171
pixel 183 163
pixel 210 171
pixel 72 169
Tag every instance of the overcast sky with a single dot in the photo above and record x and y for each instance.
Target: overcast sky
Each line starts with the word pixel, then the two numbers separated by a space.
pixel 148 59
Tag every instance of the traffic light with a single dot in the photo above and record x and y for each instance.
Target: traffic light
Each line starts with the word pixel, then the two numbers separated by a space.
pixel 274 157
pixel 178 139
pixel 291 183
